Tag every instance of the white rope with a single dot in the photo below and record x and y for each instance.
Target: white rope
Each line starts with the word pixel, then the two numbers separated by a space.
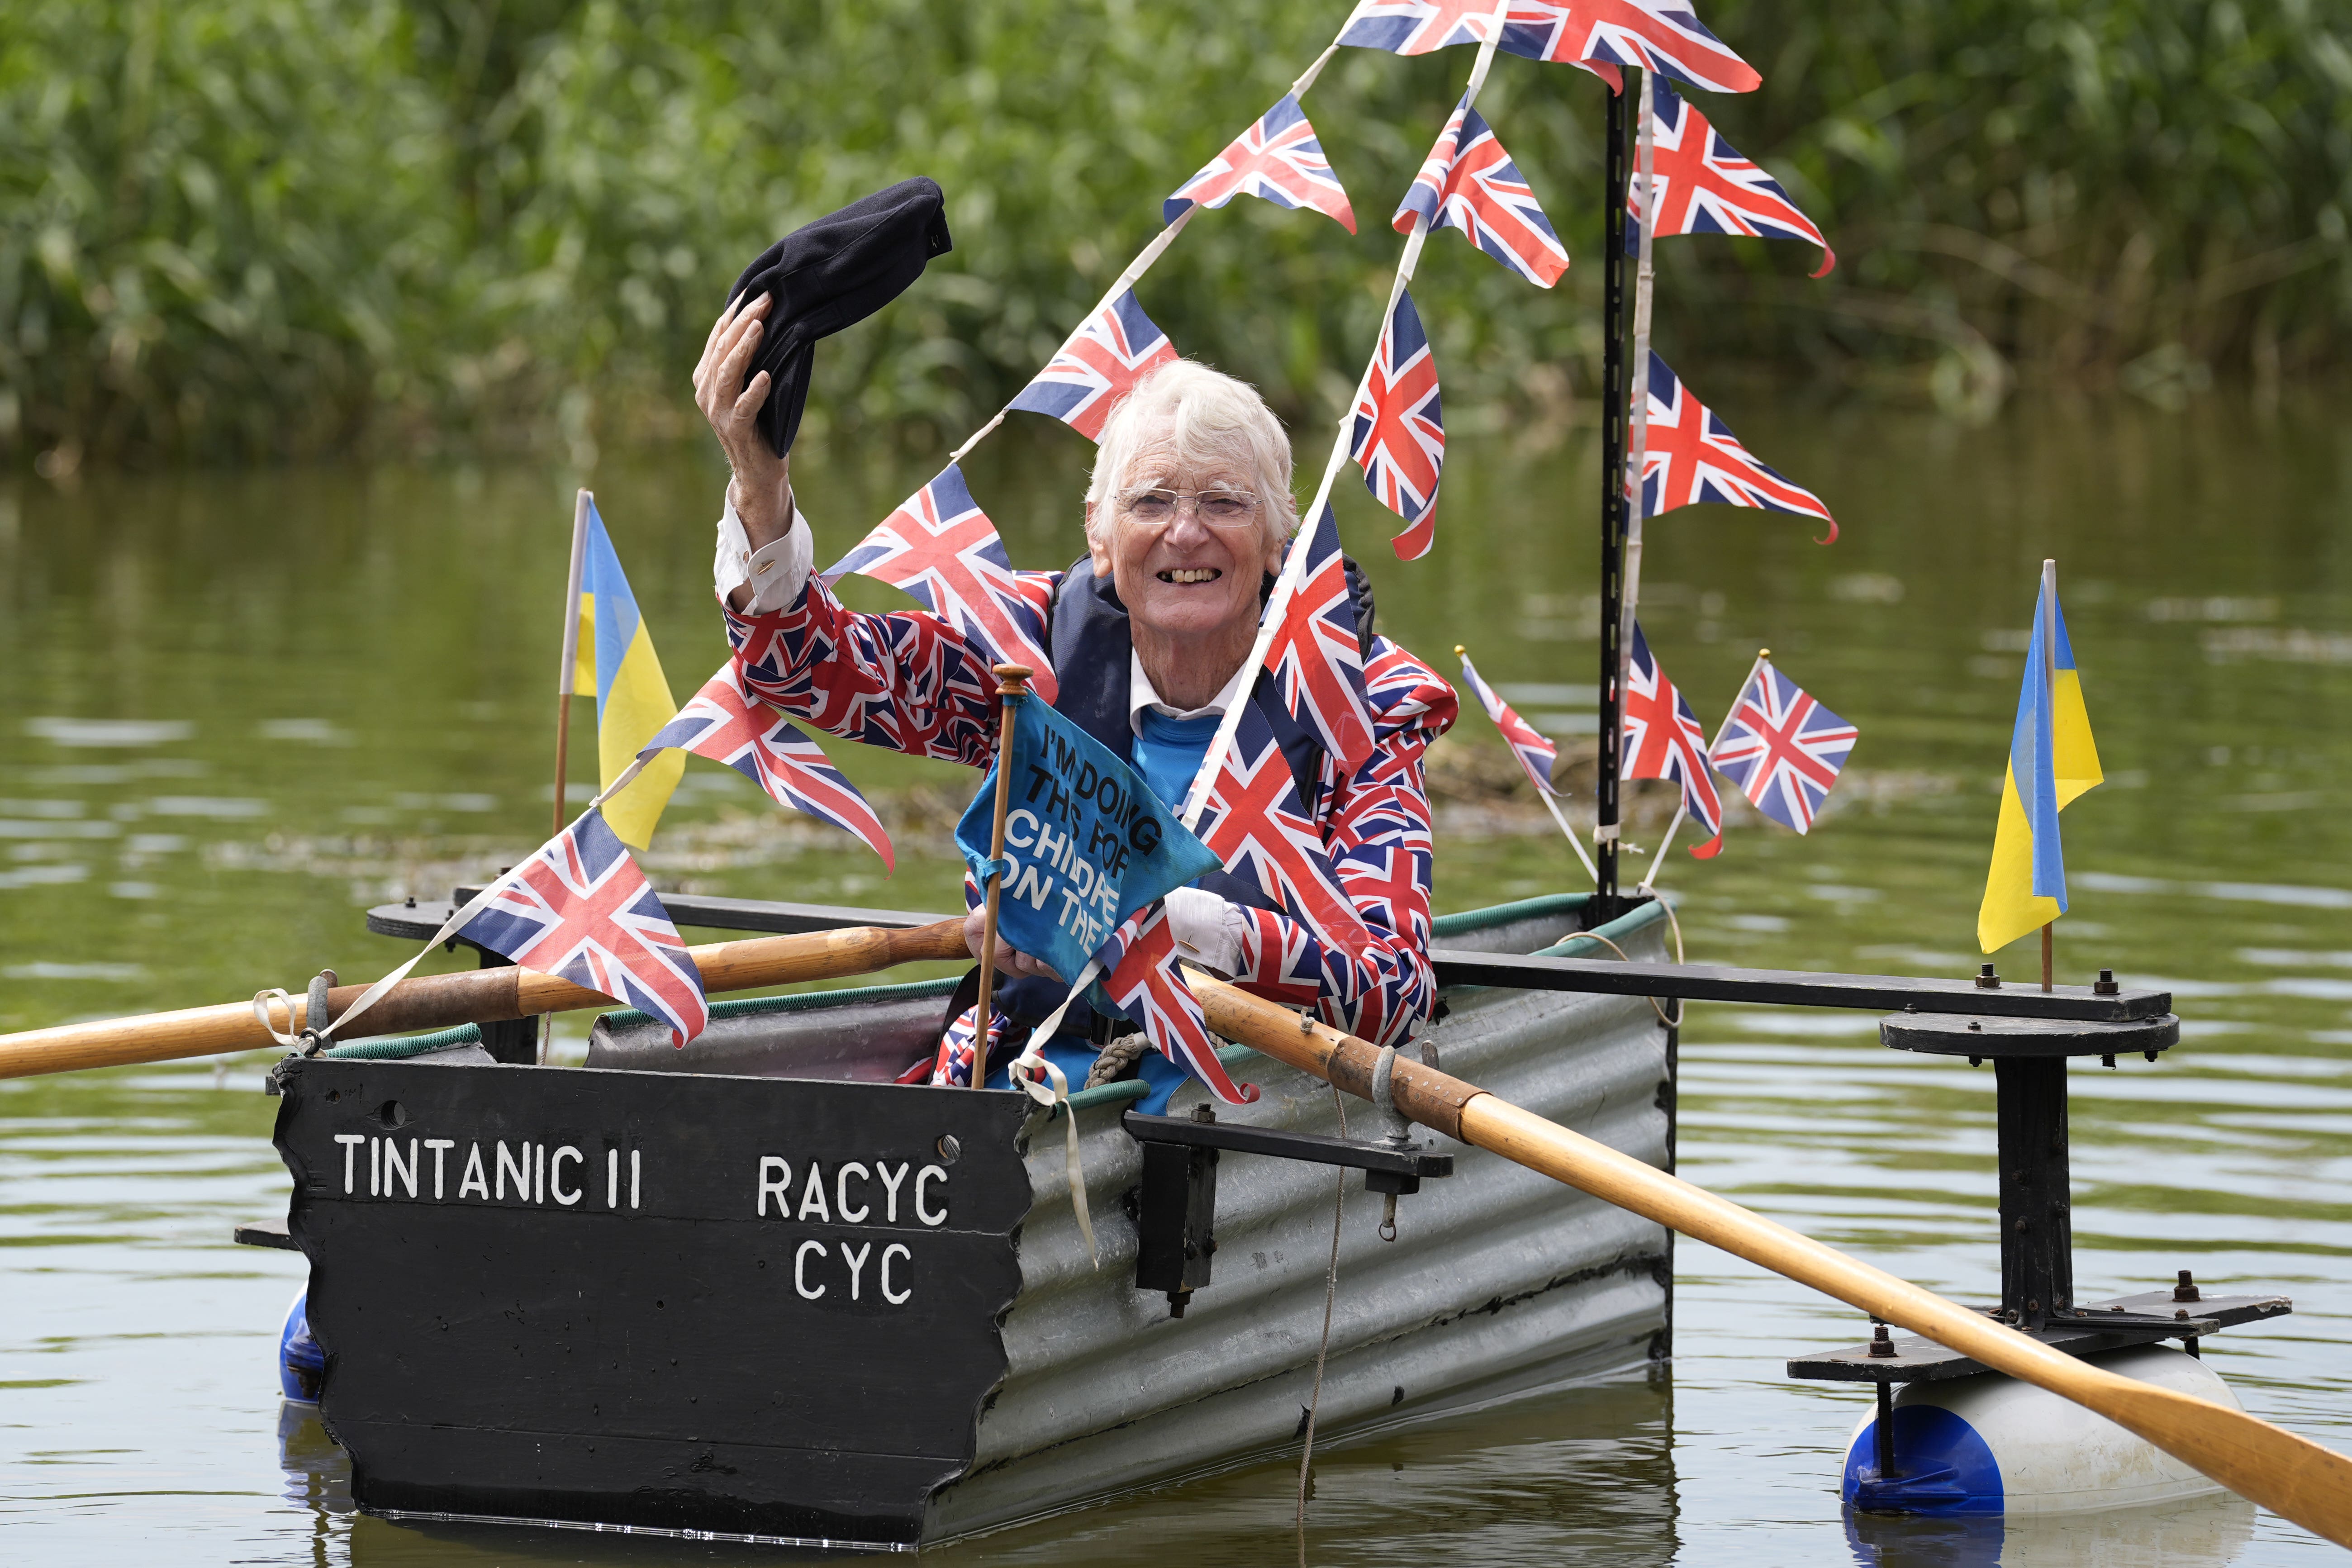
pixel 1055 1095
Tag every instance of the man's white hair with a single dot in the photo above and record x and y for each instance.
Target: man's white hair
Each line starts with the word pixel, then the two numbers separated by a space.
pixel 1208 417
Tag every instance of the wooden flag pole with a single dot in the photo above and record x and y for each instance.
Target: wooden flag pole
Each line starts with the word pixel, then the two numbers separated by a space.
pixel 2288 1474
pixel 1011 684
pixel 565 678
pixel 2049 630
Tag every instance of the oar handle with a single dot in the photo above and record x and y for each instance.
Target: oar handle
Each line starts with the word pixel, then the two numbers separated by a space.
pixel 2288 1474
pixel 469 996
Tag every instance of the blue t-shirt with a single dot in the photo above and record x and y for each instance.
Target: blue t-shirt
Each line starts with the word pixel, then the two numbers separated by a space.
pixel 1167 753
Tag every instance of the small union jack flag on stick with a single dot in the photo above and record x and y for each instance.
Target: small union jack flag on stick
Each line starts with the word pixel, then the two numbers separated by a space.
pixel 1140 976
pixel 1661 35
pixel 1662 740
pixel 1400 435
pixel 1316 653
pixel 1277 158
pixel 1255 824
pixel 1781 749
pixel 941 547
pixel 1470 184
pixel 1100 364
pixel 727 724
pixel 1418 26
pixel 1704 185
pixel 1537 755
pixel 581 910
pixel 1692 456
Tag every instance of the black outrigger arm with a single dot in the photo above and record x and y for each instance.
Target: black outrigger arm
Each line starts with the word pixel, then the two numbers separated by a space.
pixel 1176 1211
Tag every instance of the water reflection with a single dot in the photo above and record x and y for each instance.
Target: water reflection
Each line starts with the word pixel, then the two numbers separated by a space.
pixel 2207 1533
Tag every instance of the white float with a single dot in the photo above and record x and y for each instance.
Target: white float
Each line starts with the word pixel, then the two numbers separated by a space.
pixel 1991 1445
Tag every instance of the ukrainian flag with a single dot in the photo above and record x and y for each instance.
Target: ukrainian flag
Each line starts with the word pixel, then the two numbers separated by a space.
pixel 2052 759
pixel 633 699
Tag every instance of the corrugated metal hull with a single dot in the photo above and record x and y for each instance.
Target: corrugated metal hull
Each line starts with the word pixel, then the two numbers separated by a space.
pixel 1500 1280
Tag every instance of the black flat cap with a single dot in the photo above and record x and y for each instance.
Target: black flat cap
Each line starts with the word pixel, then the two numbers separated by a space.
pixel 832 274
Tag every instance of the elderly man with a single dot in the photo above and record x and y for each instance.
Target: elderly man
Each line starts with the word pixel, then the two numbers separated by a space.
pixel 1188 512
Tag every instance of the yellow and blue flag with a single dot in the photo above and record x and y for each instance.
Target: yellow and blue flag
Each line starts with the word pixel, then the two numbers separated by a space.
pixel 2052 759
pixel 633 701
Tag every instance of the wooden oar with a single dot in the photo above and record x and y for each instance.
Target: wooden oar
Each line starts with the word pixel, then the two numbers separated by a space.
pixel 470 997
pixel 2290 1475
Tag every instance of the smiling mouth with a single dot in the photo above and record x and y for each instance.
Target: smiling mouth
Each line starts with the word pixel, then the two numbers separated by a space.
pixel 1191 574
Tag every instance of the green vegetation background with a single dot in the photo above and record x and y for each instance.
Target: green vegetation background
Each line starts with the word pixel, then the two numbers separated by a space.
pixel 246 229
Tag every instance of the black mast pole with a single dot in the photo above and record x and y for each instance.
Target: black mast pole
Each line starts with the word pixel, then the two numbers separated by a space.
pixel 1606 904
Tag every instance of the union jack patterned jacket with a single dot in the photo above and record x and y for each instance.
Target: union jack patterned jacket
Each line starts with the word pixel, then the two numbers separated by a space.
pixel 908 681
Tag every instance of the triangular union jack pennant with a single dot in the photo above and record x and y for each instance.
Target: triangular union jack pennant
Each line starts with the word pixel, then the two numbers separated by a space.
pixel 1469 182
pixel 1535 755
pixel 1661 35
pixel 941 547
pixel 1278 159
pixel 1418 26
pixel 1400 435
pixel 1662 740
pixel 1255 824
pixel 1100 364
pixel 581 910
pixel 726 724
pixel 1140 976
pixel 1706 187
pixel 1317 655
pixel 1692 456
pixel 1781 749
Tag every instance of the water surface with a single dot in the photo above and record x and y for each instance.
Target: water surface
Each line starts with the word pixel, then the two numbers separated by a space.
pixel 237 710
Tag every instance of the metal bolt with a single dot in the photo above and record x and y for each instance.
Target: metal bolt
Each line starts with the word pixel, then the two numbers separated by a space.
pixel 2149 1054
pixel 1204 1114
pixel 2108 1060
pixel 2186 1290
pixel 1882 1346
pixel 1987 980
pixel 411 900
pixel 1976 1061
pixel 1974 1026
pixel 2181 1313
pixel 2106 984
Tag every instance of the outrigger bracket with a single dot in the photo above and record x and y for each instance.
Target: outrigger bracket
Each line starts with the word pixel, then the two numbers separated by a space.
pixel 1177 1203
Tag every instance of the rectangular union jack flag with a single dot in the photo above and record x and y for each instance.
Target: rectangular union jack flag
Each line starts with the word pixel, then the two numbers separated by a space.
pixel 1469 182
pixel 1418 26
pixel 1140 976
pixel 1316 654
pixel 1692 456
pixel 1100 364
pixel 1255 824
pixel 1278 159
pixel 1400 435
pixel 580 909
pixel 941 547
pixel 1662 740
pixel 1662 35
pixel 726 724
pixel 1706 187
pixel 1781 749
pixel 1537 755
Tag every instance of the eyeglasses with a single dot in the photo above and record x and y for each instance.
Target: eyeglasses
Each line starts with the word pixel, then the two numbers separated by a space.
pixel 1216 509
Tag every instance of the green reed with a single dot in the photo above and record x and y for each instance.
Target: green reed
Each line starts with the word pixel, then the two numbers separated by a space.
pixel 246 228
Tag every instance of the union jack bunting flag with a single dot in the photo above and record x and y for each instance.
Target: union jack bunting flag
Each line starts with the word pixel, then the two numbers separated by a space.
pixel 1400 436
pixel 1691 457
pixel 1418 26
pixel 1140 976
pixel 1277 158
pixel 1662 740
pixel 1663 35
pixel 726 724
pixel 941 547
pixel 1098 367
pixel 1255 824
pixel 1469 182
pixel 580 909
pixel 1706 187
pixel 952 1065
pixel 1316 654
pixel 1781 749
pixel 1535 753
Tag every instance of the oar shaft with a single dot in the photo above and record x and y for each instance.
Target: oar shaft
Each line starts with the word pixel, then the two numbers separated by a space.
pixel 2285 1473
pixel 469 996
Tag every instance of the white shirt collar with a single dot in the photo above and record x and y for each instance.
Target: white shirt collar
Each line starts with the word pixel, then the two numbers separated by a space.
pixel 1141 694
